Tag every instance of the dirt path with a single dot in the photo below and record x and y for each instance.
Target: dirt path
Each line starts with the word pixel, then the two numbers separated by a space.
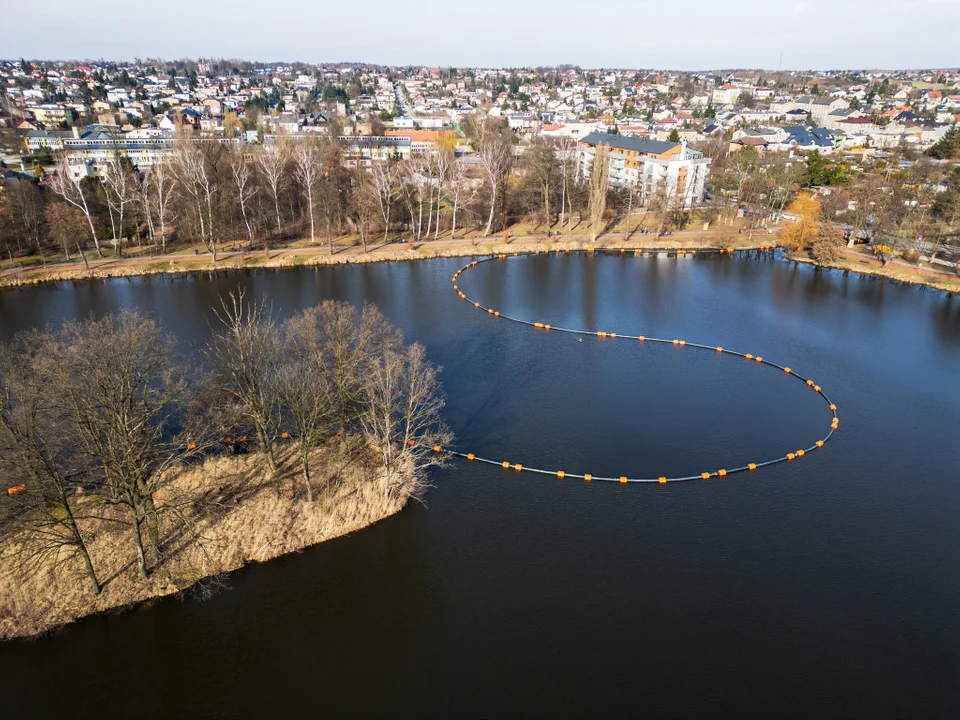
pixel 391 250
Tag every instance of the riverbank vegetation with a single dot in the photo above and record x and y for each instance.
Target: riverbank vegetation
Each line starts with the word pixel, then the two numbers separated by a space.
pixel 896 199
pixel 210 197
pixel 133 472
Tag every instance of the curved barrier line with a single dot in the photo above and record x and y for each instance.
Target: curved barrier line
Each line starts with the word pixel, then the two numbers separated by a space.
pixel 603 334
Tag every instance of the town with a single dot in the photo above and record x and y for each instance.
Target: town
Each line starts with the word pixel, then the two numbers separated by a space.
pixel 150 157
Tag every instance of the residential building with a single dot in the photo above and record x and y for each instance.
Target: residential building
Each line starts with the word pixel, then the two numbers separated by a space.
pixel 645 164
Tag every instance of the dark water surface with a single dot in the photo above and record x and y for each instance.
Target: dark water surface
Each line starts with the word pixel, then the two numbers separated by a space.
pixel 830 585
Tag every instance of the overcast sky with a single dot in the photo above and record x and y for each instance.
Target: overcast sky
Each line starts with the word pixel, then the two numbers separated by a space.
pixel 696 34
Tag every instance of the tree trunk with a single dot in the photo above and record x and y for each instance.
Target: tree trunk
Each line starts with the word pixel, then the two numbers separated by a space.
pixel 153 529
pixel 493 207
pixel 430 214
pixel 453 227
pixel 420 218
pixel 138 543
pixel 93 232
pixel 306 475
pixel 82 549
pixel 267 449
pixel 436 232
pixel 313 240
pixel 86 265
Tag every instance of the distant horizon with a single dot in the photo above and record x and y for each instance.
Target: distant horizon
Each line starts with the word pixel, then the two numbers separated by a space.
pixel 584 68
pixel 799 35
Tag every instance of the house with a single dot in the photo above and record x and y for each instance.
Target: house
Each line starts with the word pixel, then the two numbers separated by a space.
pixel 760 138
pixel 834 118
pixel 214 106
pixel 726 94
pixel 51 114
pixel 807 139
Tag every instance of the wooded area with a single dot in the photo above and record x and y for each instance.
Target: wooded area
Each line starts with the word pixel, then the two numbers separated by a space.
pixel 104 428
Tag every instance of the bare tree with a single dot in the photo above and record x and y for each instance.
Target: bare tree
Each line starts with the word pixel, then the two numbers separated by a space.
pixel 243 183
pixel 23 208
pixel 599 172
pixel 272 165
pixel 118 381
pixel 308 167
pixel 781 179
pixel 70 189
pixel 430 167
pixel 196 185
pixel 244 355
pixel 663 203
pixel 142 195
pixel 351 340
pixel 402 413
pixel 64 223
pixel 741 170
pixel 541 162
pixel 118 185
pixel 495 149
pixel 458 179
pixel 161 182
pixel 304 386
pixel 864 194
pixel 417 169
pixel 384 180
pixel 366 198
pixel 37 456
pixel 567 162
pixel 444 160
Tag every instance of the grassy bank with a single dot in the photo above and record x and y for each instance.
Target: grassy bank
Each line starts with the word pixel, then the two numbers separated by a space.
pixel 868 265
pixel 313 256
pixel 245 517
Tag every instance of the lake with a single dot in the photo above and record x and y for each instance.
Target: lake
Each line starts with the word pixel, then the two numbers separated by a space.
pixel 829 585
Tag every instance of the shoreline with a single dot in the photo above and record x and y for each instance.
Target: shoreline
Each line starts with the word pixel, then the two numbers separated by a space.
pixel 316 257
pixel 297 256
pixel 53 596
pixel 940 282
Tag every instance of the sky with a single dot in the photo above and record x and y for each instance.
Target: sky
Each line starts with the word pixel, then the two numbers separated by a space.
pixel 690 35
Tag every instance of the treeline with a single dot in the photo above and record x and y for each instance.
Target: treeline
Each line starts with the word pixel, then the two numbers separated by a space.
pixel 97 417
pixel 886 203
pixel 231 195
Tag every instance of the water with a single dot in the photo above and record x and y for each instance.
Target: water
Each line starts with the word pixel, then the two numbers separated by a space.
pixel 827 585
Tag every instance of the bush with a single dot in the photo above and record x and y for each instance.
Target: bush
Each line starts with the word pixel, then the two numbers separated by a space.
pixel 911 255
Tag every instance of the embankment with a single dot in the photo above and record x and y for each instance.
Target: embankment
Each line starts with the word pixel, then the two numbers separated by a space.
pixel 227 513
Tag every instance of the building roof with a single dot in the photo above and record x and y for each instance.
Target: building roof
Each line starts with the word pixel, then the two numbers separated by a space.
pixel 622 142
pixel 805 137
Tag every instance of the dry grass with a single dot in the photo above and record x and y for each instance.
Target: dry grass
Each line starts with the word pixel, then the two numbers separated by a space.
pixel 297 256
pixel 863 264
pixel 246 518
